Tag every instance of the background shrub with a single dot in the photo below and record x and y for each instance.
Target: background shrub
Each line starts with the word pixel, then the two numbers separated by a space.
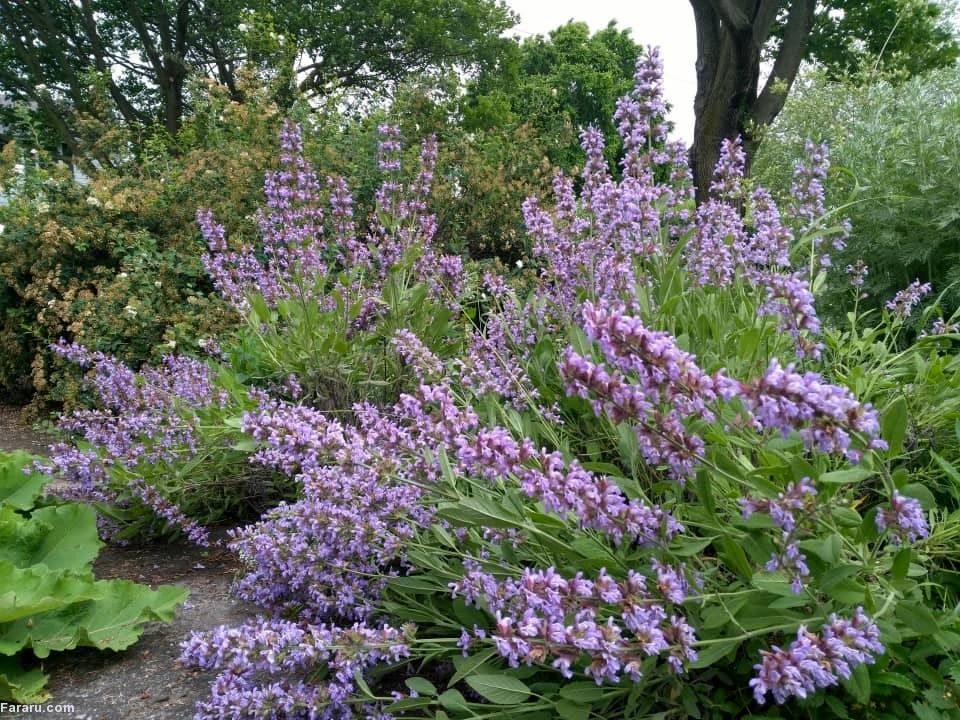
pixel 894 148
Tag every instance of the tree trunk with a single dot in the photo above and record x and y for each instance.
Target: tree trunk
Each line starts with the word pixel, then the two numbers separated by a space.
pixel 730 37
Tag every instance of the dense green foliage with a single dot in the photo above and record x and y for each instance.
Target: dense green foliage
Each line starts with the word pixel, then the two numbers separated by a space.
pixel 900 37
pixel 116 260
pixel 49 598
pixel 64 58
pixel 557 84
pixel 309 355
pixel 597 457
pixel 113 261
pixel 895 148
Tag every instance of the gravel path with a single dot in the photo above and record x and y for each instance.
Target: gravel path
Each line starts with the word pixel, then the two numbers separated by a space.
pixel 144 681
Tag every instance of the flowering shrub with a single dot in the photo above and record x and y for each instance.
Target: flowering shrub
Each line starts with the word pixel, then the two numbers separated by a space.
pixel 639 491
pixel 112 261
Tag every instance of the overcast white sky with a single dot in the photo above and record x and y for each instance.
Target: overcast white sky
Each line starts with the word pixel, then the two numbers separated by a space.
pixel 667 23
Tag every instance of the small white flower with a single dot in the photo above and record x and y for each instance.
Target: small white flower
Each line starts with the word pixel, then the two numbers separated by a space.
pixel 242 27
pixel 2 228
pixel 41 88
pixel 93 202
pixel 121 276
pixel 157 284
pixel 520 264
pixel 171 344
pixel 130 310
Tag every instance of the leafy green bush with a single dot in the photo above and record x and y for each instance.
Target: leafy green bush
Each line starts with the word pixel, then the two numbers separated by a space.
pixel 114 260
pixel 894 148
pixel 49 598
pixel 645 487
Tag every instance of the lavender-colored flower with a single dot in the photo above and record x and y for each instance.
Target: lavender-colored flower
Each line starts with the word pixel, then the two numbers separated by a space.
pixel 904 520
pixel 163 508
pixel 796 499
pixel 268 668
pixel 728 178
pixel 791 561
pixel 905 300
pixel 814 661
pixel 827 417
pixel 942 327
pixel 712 252
pixel 544 618
pixel 858 273
pixel 143 419
pixel 418 356
pixel 596 501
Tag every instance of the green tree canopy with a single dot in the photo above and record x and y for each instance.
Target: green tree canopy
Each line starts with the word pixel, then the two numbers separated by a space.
pixel 902 38
pixel 58 54
pixel 557 84
pixel 735 36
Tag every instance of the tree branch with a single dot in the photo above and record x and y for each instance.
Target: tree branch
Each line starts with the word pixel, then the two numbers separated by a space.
pixel 130 114
pixel 732 15
pixel 792 50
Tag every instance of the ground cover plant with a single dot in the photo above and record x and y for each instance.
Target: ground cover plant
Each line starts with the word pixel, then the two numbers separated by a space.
pixel 50 600
pixel 649 485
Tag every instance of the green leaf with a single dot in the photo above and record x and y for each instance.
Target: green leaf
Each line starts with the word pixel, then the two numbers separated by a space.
pixel 569 710
pixel 61 537
pixel 499 689
pixel 19 685
pixel 901 564
pixel 687 547
pixel 480 512
pixel 896 680
pixel 848 591
pixel 603 468
pixel 922 711
pixel 30 591
pixel 846 517
pixel 18 489
pixel 917 617
pixel 826 548
pixel 246 445
pixel 846 477
pixel 859 684
pixel 773 582
pixel 894 425
pixel 365 690
pixel 114 621
pixel 714 652
pixel 581 692
pixel 949 470
pixel 734 556
pixel 453 700
pixel 466 665
pixel 416 583
pixel 421 686
pixel 411 704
